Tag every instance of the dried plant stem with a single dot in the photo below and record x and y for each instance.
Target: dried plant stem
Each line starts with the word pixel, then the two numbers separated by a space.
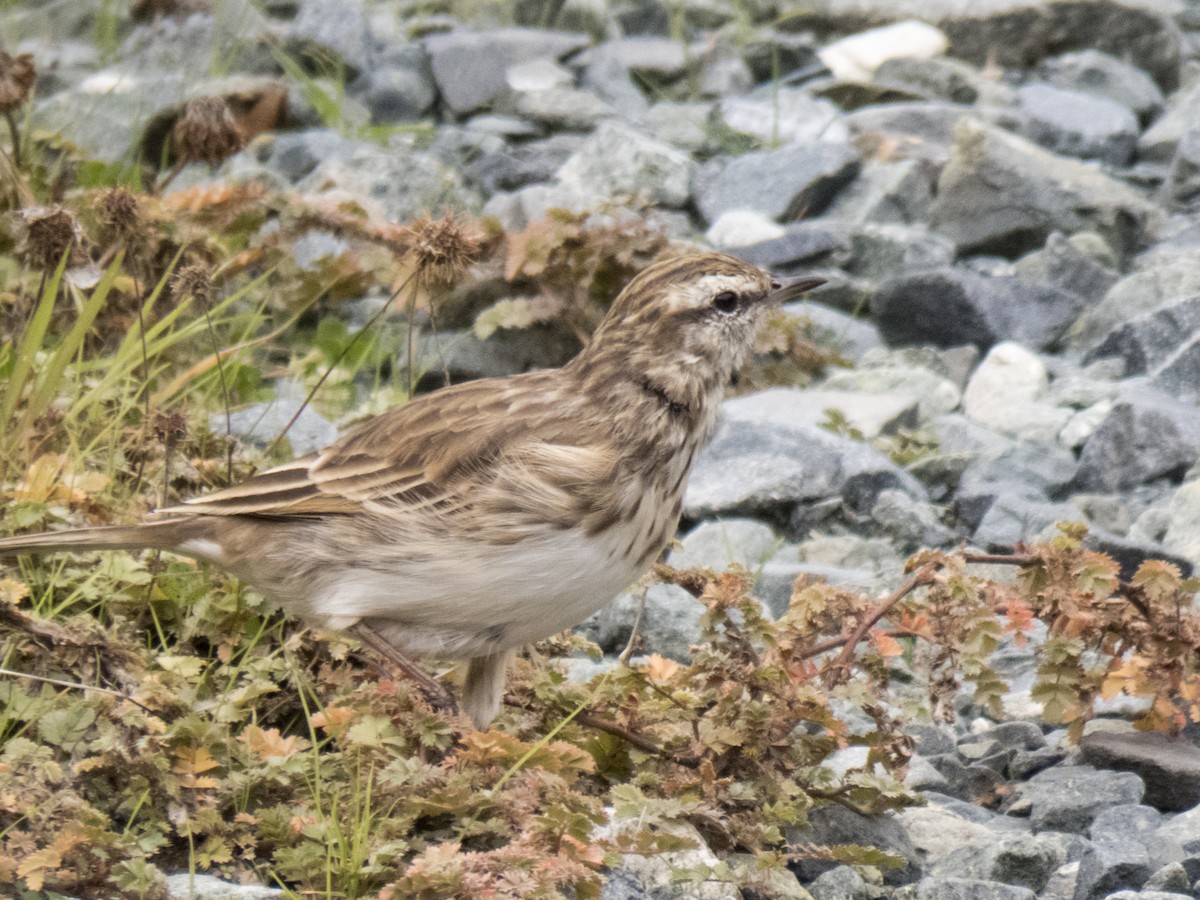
pixel 75 685
pixel 14 131
pixel 333 365
pixel 633 634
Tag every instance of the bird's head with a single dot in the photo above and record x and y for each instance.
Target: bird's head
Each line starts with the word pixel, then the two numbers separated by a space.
pixel 690 318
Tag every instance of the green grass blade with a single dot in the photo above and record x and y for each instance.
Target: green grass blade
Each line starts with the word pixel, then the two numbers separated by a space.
pixel 31 343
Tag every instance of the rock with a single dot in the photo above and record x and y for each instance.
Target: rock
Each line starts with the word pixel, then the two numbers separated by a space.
pixel 1145 343
pixel 618 161
pixel 610 80
pixel 398 183
pixel 514 167
pixel 784 115
pixel 937 78
pixel 1002 194
pixel 917 131
pixel 798 179
pixel 1136 294
pixel 952 306
pixel 810 243
pixel 771 53
pixel 720 544
pixel 261 423
pixel 840 883
pixel 1171 879
pixel 966 782
pixel 338 30
pixel 653 875
pixel 1065 263
pixel 878 251
pixel 469 66
pixel 869 414
pixel 1020 860
pixel 831 825
pixel 1068 798
pixel 938 832
pixel 881 373
pixel 911 524
pixel 1169 767
pixel 996 459
pixel 1014 517
pixel 1146 435
pixel 401 89
pixel 1109 865
pixel 661 60
pixel 295 154
pixel 885 192
pixel 1182 183
pixel 856 58
pixel 670 622
pixel 563 108
pixel 742 228
pixel 1075 123
pixel 969 889
pixel 836 331
pixel 191 886
pixel 1005 394
pixel 1159 142
pixel 1106 76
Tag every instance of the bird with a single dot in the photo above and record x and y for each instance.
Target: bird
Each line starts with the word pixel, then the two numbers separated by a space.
pixel 487 515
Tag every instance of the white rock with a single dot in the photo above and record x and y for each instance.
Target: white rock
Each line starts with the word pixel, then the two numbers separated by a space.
pixel 537 75
pixel 741 228
pixel 1083 424
pixel 855 58
pixel 1004 393
pixel 616 161
pixel 870 413
pixel 1183 522
pixel 935 832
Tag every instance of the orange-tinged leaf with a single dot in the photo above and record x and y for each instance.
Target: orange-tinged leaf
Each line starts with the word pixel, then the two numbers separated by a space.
pixel 193 760
pixel 659 668
pixel 12 591
pixel 268 743
pixel 885 644
pixel 333 719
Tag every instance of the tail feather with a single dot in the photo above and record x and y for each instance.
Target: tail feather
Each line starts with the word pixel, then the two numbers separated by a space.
pixel 149 536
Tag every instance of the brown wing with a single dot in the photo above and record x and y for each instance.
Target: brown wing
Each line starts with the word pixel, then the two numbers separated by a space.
pixel 432 451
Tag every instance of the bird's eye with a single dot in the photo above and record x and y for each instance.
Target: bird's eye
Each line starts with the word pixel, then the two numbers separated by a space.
pixel 726 302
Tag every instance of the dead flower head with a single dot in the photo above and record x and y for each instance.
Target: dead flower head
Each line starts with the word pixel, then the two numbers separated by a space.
pixel 206 132
pixel 443 248
pixel 169 428
pixel 192 281
pixel 17 76
pixel 117 211
pixel 49 232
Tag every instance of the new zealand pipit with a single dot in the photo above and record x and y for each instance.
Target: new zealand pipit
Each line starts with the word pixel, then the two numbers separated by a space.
pixel 494 513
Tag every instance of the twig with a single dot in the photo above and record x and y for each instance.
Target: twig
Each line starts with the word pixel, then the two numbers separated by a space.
pixel 623 659
pixel 77 686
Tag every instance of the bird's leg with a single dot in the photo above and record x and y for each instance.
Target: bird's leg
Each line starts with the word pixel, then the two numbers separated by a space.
pixel 483 689
pixel 432 689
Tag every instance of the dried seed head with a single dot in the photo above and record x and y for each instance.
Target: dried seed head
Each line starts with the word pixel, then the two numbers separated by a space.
pixel 443 248
pixel 169 428
pixel 192 281
pixel 117 211
pixel 17 76
pixel 206 132
pixel 49 232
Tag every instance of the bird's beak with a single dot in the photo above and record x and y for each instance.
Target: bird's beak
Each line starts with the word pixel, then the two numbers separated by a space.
pixel 785 289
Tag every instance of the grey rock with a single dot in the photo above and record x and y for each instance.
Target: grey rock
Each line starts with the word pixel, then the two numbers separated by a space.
pixel 771 53
pixel 840 883
pixel 724 73
pixel 261 423
pixel 1068 798
pixel 773 477
pixel 809 243
pixel 1130 822
pixel 1076 123
pixel 938 78
pixel 402 89
pixel 829 825
pixel 937 832
pixel 918 131
pixel 1110 865
pixel 1169 767
pixel 1182 183
pixel 1106 76
pixel 966 782
pixel 514 167
pixel 725 542
pixel 1002 194
pixel 469 66
pixel 783 184
pixel 1021 860
pixel 1080 264
pixel 1159 142
pixel 878 250
pixel 923 776
pixel 670 622
pixel 1014 517
pixel 398 183
pixel 1139 293
pixel 952 306
pixel 783 115
pixel 687 126
pixel 1148 895
pixel 187 886
pixel 660 59
pixel 339 28
pixel 1146 435
pixel 897 192
pixel 564 108
pixel 834 330
pixel 505 352
pixel 610 80
pixel 997 459
pixel 969 889
pixel 1146 342
pixel 1171 879
pixel 1021 735
pixel 908 522
pixel 870 414
pixel 616 160
pixel 889 372
pixel 295 154
pixel 1026 763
